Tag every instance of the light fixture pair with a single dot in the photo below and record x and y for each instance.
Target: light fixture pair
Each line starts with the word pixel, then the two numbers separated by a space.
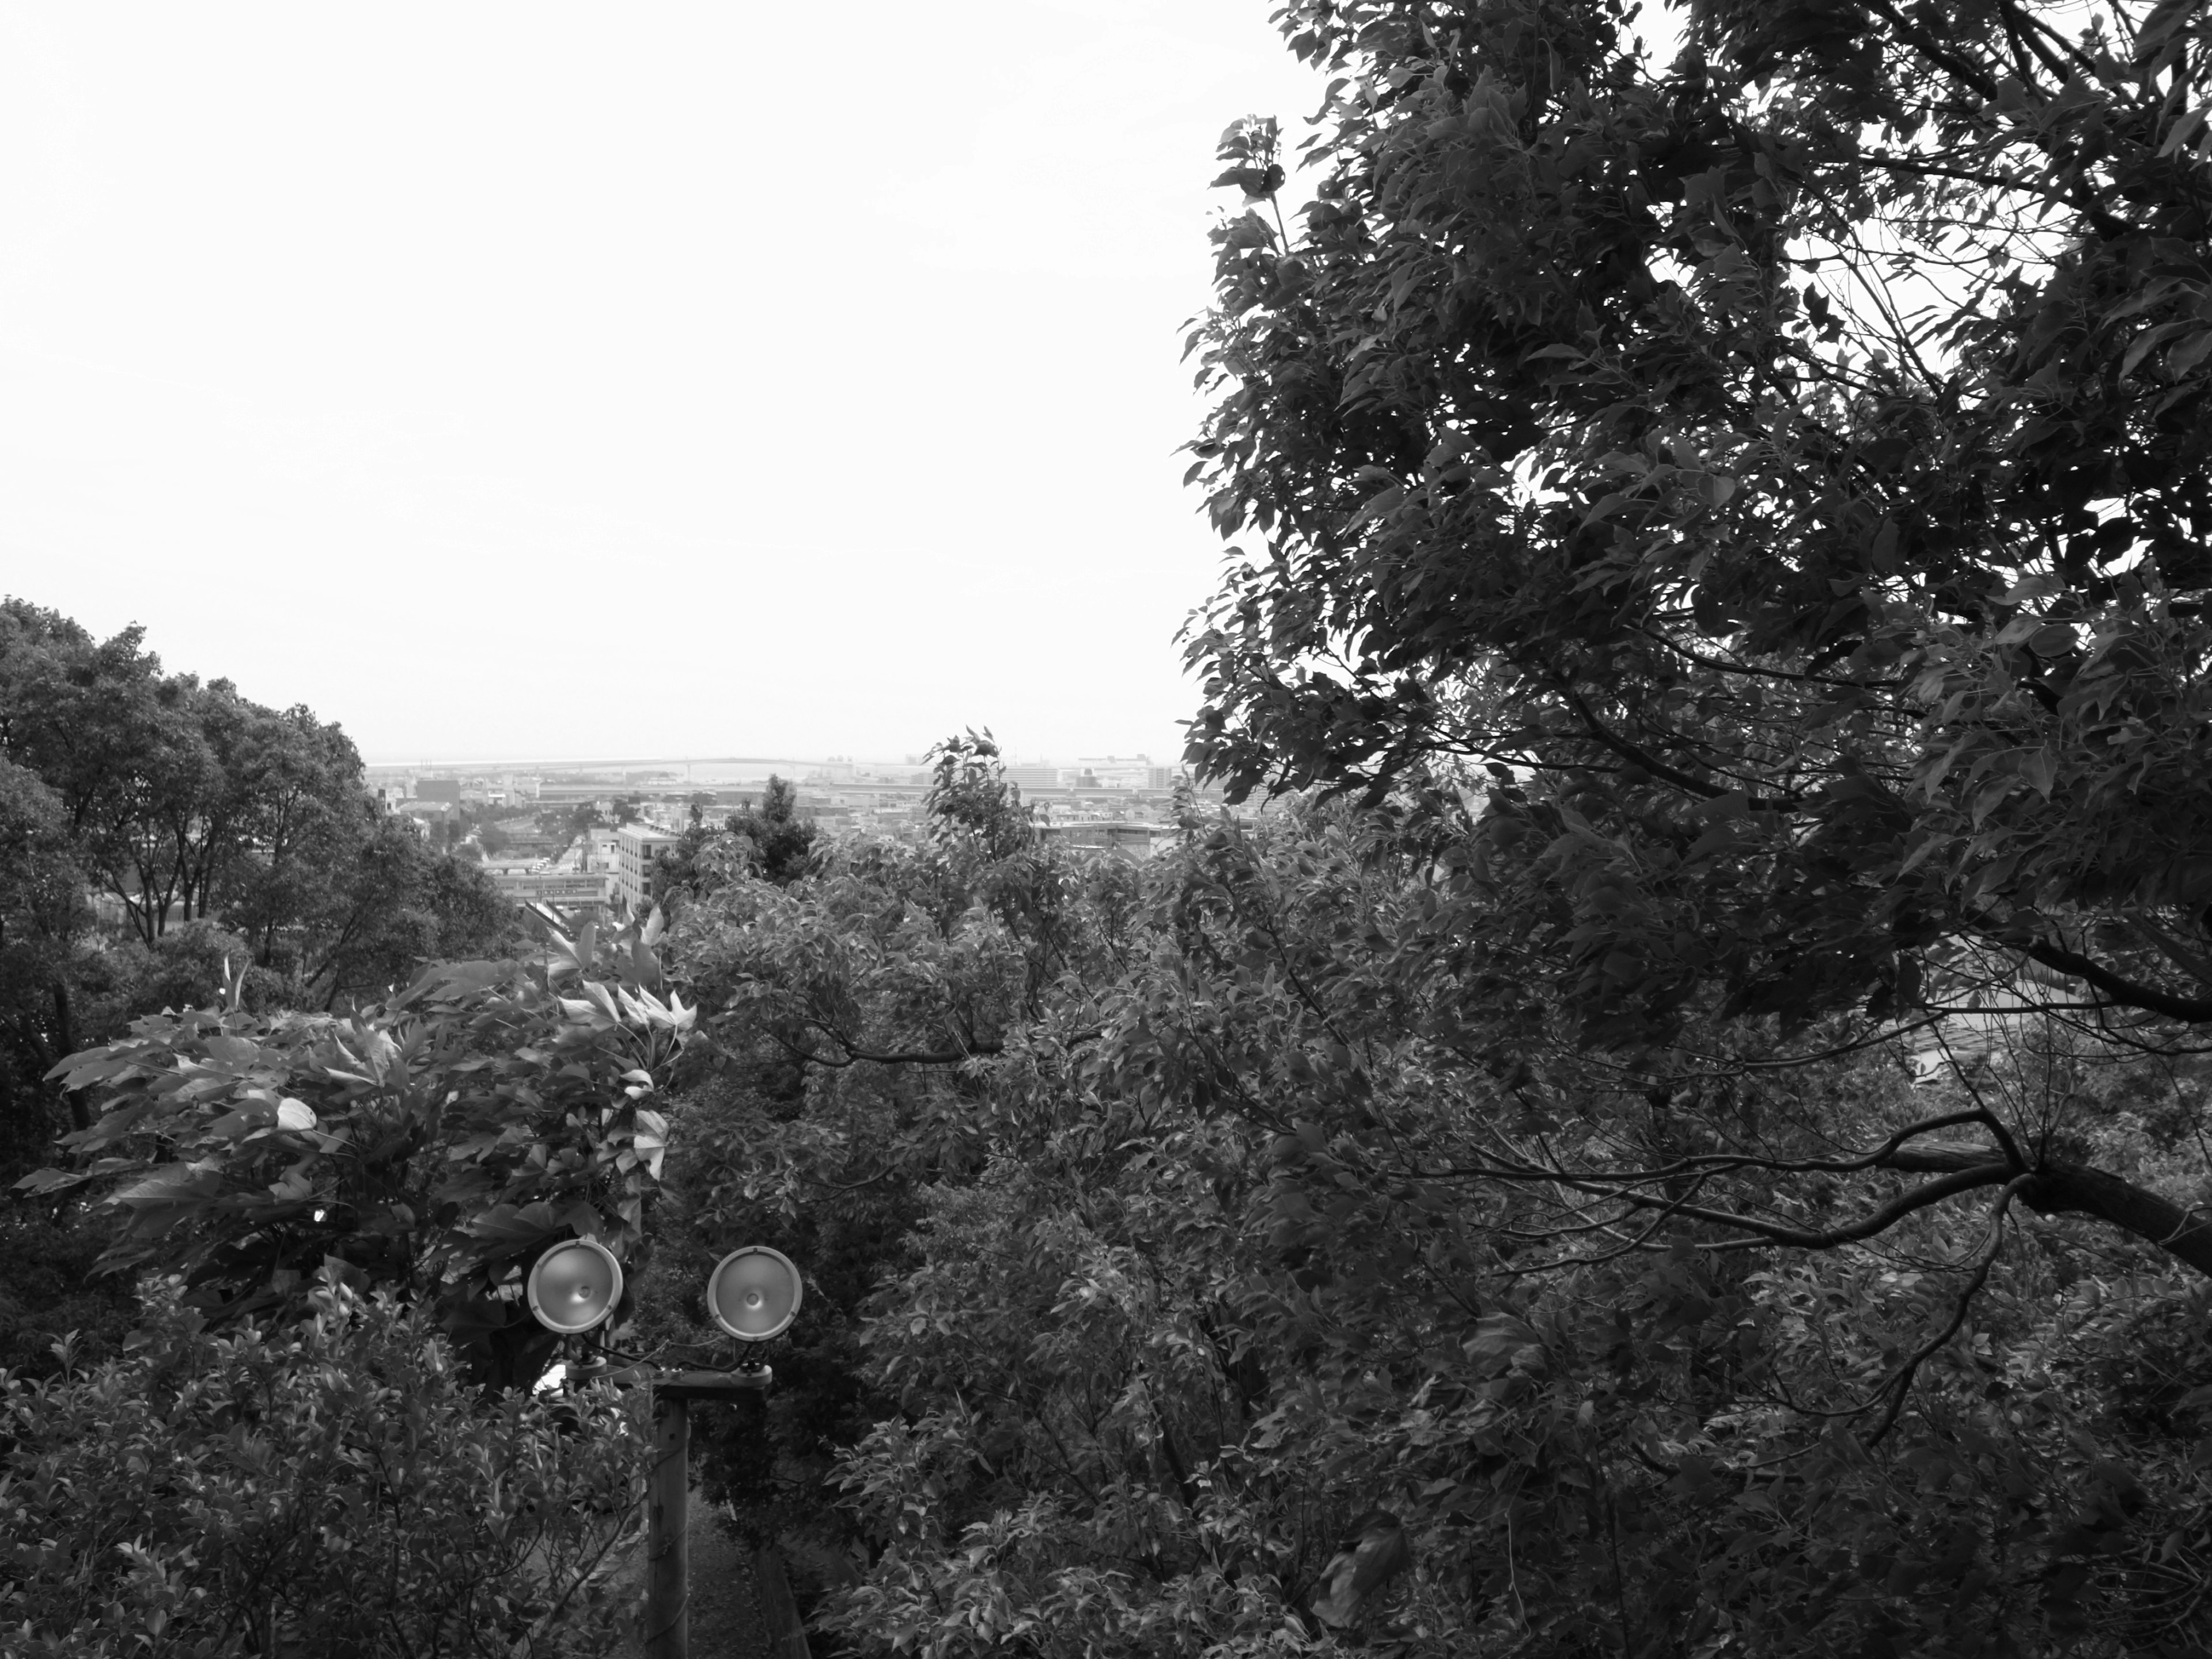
pixel 753 1293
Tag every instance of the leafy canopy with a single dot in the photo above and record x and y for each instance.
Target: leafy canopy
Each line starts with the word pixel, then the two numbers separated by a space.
pixel 1266 1291
pixel 335 1485
pixel 433 1143
pixel 1786 466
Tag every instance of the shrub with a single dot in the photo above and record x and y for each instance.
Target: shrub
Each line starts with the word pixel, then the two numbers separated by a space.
pixel 51 1288
pixel 336 1487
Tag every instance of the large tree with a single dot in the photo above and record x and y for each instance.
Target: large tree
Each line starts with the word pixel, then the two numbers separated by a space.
pixel 42 911
pixel 213 827
pixel 1788 461
pixel 1786 468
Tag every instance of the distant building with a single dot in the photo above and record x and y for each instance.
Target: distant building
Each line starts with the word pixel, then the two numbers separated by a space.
pixel 581 895
pixel 1131 840
pixel 636 847
pixel 1114 772
pixel 423 813
pixel 1034 777
pixel 599 853
pixel 444 789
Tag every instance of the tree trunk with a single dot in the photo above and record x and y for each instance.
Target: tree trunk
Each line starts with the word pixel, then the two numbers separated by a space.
pixel 2077 1189
pixel 79 1104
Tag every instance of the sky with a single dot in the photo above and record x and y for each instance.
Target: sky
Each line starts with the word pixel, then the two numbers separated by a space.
pixel 545 380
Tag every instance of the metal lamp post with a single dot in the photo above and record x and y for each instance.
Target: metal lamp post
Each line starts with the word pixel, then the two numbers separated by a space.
pixel 754 1293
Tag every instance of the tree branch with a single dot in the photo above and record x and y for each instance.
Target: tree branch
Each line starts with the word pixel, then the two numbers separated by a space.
pixel 1627 750
pixel 1903 1385
pixel 2132 994
pixel 2076 1189
pixel 1918 40
pixel 1867 1226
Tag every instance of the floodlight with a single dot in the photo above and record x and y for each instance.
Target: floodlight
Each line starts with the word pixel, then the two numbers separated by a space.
pixel 575 1285
pixel 754 1293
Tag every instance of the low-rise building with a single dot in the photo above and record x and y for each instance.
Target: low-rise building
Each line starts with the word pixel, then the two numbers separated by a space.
pixel 1131 840
pixel 578 896
pixel 637 846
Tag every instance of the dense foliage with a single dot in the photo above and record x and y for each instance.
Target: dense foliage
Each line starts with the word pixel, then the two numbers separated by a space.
pixel 205 826
pixel 432 1144
pixel 1226 1328
pixel 1788 463
pixel 311 1437
pixel 771 840
pixel 1200 1262
pixel 334 1486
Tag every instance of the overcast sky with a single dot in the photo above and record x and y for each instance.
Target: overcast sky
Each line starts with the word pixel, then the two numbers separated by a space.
pixel 531 379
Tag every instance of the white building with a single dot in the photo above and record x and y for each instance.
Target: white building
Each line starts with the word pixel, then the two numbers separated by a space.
pixel 636 847
pixel 1113 772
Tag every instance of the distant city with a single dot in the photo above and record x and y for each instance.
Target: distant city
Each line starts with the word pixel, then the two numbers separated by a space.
pixel 570 839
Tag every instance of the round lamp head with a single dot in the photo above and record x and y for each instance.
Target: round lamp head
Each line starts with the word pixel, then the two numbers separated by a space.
pixel 575 1285
pixel 754 1293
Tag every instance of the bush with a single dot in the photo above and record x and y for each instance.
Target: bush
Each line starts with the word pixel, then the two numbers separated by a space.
pixel 335 1486
pixel 51 1288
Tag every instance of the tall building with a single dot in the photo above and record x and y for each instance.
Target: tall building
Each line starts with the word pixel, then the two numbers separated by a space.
pixel 636 847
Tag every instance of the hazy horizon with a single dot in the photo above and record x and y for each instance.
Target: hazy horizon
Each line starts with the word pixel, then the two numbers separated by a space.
pixel 726 763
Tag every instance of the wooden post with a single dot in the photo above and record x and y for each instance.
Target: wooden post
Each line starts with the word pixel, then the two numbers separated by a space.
pixel 668 1545
pixel 668 1501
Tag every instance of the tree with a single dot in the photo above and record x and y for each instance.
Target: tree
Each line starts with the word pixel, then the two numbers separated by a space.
pixel 42 914
pixel 1243 1306
pixel 1784 473
pixel 389 908
pixel 1785 467
pixel 433 1143
pixel 857 997
pixel 300 807
pixel 331 1486
pixel 117 743
pixel 770 841
pixel 782 842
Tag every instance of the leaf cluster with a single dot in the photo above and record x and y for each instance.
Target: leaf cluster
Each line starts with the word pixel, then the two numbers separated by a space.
pixel 1786 467
pixel 335 1485
pixel 432 1144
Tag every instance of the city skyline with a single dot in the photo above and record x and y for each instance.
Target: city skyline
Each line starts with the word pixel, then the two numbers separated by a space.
pixel 511 763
